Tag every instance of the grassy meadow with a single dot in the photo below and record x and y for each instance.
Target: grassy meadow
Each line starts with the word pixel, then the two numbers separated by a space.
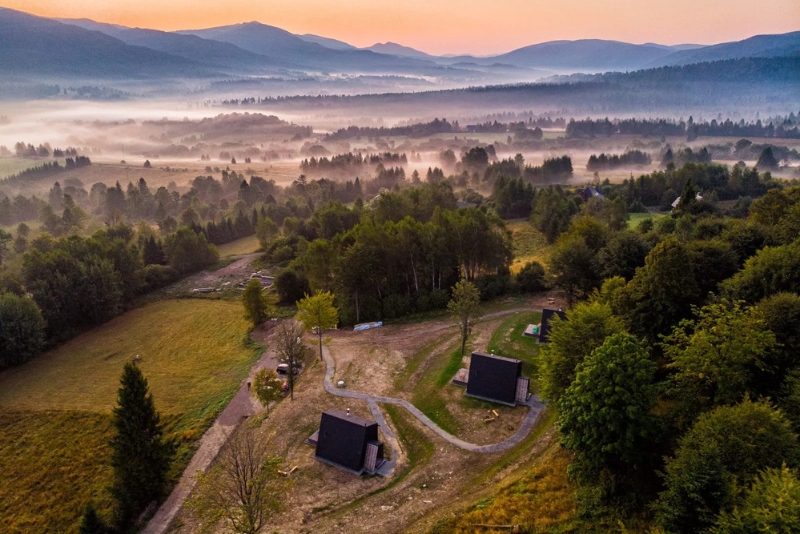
pixel 245 245
pixel 55 412
pixel 636 218
pixel 529 245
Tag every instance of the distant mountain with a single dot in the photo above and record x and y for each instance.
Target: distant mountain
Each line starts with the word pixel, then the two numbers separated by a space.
pixel 399 50
pixel 327 42
pixel 747 83
pixel 280 45
pixel 782 45
pixel 45 48
pixel 221 55
pixel 585 54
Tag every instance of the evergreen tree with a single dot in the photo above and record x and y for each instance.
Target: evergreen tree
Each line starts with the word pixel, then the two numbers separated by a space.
pixel 91 522
pixel 767 160
pixel 140 454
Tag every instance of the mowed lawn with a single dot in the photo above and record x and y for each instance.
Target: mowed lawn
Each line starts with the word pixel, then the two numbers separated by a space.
pixel 55 412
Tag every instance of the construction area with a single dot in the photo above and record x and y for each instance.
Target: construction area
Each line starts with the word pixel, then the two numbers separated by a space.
pixel 413 442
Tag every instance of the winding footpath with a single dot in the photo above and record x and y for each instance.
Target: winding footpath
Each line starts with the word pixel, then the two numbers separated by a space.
pixel 534 409
pixel 243 405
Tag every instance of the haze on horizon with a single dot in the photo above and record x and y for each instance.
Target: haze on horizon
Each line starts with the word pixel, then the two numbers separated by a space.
pixel 454 26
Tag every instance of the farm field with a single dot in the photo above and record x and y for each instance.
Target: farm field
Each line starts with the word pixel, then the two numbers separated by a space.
pixel 66 396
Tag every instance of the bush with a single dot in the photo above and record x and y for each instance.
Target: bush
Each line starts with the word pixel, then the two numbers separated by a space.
pixel 531 277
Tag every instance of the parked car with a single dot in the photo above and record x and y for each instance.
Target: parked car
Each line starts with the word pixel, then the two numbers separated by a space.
pixel 283 369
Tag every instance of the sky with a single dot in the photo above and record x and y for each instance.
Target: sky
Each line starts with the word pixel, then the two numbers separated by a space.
pixel 453 26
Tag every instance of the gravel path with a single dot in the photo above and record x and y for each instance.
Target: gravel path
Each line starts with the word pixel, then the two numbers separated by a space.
pixel 535 406
pixel 241 406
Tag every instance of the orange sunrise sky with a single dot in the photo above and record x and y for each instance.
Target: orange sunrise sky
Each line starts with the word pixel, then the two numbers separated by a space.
pixel 453 26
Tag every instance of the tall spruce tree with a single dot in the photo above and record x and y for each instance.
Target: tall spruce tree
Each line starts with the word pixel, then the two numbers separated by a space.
pixel 140 454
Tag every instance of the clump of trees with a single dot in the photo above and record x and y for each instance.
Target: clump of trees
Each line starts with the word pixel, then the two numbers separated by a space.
pixel 609 162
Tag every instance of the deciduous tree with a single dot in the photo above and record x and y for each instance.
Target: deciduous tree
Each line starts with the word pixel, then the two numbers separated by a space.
pixel 291 351
pixel 243 490
pixel 257 306
pixel 267 387
pixel 605 415
pixel 21 329
pixel 465 309
pixel 570 342
pixel 317 313
pixel 725 449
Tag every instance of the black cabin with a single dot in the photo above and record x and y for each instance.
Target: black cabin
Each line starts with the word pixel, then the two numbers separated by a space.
pixel 494 378
pixel 547 317
pixel 344 439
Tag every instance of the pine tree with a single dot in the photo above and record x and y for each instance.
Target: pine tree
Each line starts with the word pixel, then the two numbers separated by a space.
pixel 140 454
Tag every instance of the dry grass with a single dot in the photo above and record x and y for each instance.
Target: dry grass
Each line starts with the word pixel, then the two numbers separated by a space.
pixel 51 465
pixel 55 415
pixel 245 245
pixel 529 245
pixel 190 350
pixel 541 500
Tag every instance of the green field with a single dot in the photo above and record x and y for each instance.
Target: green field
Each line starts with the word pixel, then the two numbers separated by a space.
pixel 245 245
pixel 55 410
pixel 636 218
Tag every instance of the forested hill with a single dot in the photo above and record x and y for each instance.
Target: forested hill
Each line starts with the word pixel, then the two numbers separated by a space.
pixel 715 85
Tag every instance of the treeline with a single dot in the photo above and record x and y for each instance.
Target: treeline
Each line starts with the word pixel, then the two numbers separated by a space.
pixel 22 150
pixel 589 128
pixel 349 165
pixel 605 162
pixel 687 155
pixel 550 169
pixel 744 149
pixel 46 170
pixel 71 284
pixel 661 188
pixel 436 126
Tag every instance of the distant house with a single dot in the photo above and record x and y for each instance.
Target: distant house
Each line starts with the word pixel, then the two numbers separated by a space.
pixel 348 441
pixel 590 192
pixel 698 197
pixel 463 204
pixel 497 379
pixel 547 317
